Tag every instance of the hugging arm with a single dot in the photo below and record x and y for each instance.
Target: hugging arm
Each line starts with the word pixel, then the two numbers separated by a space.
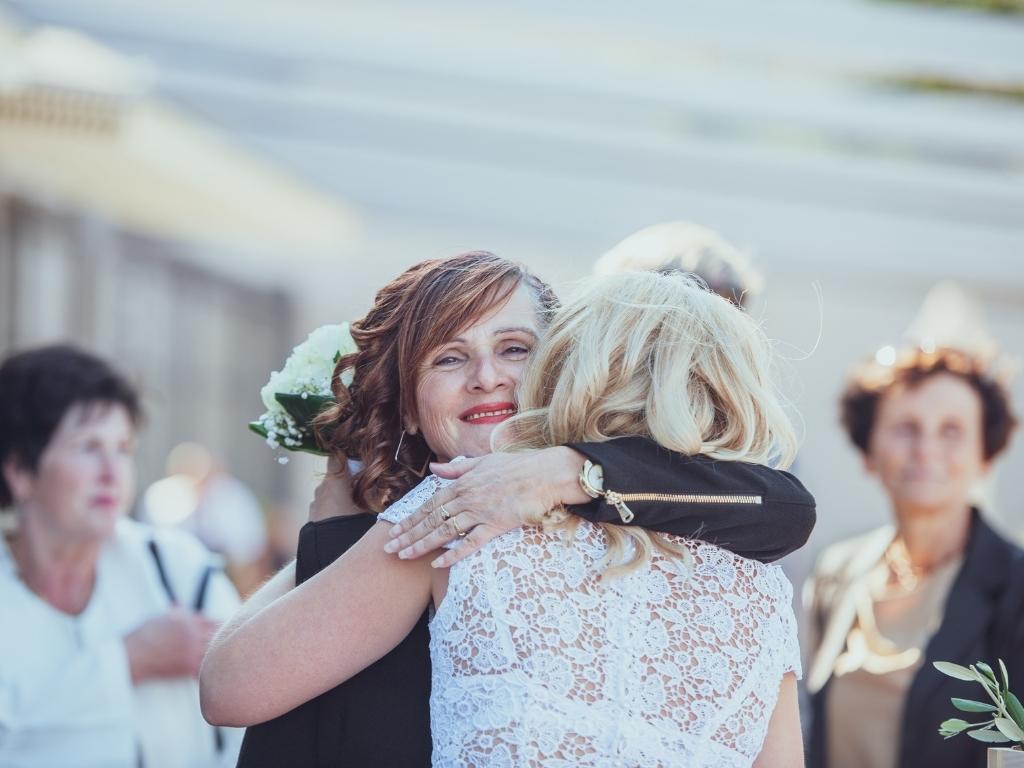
pixel 335 524
pixel 308 640
pixel 749 509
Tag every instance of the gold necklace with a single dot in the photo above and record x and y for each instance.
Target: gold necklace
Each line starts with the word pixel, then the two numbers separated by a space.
pixel 908 575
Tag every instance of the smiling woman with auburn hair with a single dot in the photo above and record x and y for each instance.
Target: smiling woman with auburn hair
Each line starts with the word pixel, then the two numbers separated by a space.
pixel 413 314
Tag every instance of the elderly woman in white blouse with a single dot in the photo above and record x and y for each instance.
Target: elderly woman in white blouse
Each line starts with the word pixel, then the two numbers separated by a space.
pixel 102 636
pixel 573 643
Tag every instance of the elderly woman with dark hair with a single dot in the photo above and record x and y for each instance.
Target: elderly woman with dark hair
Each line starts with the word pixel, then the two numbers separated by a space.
pixel 469 324
pixel 97 659
pixel 938 585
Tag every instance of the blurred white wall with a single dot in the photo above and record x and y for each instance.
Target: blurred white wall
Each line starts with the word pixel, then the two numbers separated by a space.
pixel 547 133
pixel 195 342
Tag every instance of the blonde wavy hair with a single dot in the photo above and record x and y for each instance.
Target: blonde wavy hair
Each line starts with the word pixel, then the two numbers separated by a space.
pixel 658 356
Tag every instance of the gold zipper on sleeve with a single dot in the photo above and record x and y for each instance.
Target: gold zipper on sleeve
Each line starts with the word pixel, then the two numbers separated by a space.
pixel 618 500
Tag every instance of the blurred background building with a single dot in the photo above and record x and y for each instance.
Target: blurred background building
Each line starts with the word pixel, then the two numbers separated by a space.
pixel 191 187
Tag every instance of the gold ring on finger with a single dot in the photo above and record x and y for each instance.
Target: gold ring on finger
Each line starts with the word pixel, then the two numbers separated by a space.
pixel 445 514
pixel 458 531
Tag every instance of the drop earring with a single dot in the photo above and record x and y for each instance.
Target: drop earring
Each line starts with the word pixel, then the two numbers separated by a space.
pixel 419 472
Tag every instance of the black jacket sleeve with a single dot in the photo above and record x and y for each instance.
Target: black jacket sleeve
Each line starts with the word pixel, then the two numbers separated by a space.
pixel 774 517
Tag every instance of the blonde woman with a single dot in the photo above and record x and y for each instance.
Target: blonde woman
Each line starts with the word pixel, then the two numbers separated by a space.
pixel 574 643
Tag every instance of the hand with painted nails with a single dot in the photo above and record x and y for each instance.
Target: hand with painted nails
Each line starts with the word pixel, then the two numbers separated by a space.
pixel 491 495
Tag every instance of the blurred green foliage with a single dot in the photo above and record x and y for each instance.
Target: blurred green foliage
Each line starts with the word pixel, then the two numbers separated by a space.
pixel 953 85
pixel 988 6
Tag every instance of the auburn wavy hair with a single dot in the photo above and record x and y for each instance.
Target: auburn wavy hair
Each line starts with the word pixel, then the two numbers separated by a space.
pixel 421 309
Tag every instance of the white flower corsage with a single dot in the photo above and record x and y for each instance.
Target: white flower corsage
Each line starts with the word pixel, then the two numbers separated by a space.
pixel 296 394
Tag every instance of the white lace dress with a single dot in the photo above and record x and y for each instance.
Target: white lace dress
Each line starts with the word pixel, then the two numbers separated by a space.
pixel 537 662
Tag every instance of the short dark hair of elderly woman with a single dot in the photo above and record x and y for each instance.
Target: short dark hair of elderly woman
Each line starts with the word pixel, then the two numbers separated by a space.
pixel 39 386
pixel 419 310
pixel 870 382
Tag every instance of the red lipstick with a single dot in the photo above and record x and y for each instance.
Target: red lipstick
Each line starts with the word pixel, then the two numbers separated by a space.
pixel 488 413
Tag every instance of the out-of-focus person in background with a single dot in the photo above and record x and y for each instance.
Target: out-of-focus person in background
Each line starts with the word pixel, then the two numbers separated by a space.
pixel 681 246
pixel 201 496
pixel 105 620
pixel 939 584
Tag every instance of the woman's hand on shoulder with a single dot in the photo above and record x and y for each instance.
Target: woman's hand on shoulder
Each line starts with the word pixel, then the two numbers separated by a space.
pixel 491 495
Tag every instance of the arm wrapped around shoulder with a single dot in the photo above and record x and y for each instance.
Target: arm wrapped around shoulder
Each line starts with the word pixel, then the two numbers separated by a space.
pixel 749 509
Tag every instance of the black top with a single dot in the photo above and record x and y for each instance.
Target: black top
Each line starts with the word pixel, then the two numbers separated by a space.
pixel 381 716
pixel 983 620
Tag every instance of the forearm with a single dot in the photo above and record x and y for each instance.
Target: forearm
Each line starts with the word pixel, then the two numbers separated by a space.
pixel 315 636
pixel 321 543
pixel 751 510
pixel 275 587
pixel 245 675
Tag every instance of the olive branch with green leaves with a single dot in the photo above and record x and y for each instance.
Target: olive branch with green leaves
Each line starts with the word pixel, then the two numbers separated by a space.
pixel 1006 715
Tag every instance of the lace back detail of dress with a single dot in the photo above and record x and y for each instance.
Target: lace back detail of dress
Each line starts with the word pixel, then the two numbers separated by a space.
pixel 537 661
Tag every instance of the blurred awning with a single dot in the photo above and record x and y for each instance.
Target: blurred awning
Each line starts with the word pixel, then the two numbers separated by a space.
pixel 75 126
